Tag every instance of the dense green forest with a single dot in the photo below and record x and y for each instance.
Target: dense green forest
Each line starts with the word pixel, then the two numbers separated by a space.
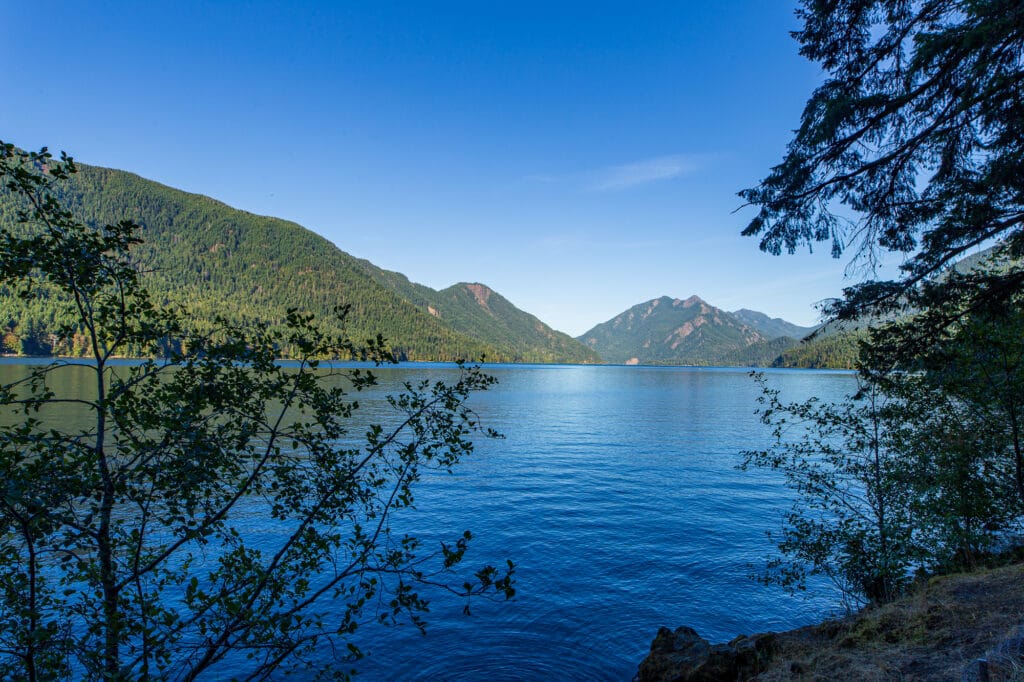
pixel 834 351
pixel 479 312
pixel 762 353
pixel 218 261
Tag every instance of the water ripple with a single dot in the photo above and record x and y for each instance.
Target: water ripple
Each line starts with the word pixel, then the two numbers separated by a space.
pixel 616 493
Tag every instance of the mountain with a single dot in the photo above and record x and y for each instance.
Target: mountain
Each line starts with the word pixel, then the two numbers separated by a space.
pixel 833 346
pixel 834 351
pixel 477 311
pixel 772 327
pixel 474 309
pixel 672 331
pixel 218 260
pixel 837 343
pixel 763 353
pixel 692 332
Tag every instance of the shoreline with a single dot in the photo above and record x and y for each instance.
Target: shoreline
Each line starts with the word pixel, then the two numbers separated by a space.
pixel 963 626
pixel 41 359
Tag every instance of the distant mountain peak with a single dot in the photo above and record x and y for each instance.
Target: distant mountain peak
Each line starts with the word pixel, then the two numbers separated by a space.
pixel 669 330
pixel 651 307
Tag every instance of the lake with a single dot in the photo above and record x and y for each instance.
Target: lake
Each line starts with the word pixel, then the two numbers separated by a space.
pixel 615 492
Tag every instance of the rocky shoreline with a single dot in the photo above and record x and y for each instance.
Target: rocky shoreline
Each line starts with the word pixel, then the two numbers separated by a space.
pixel 967 627
pixel 684 655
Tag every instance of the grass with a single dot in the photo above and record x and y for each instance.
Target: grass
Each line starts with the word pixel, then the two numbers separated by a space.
pixel 931 634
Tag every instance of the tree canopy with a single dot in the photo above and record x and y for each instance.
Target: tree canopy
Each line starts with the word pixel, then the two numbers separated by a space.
pixel 913 144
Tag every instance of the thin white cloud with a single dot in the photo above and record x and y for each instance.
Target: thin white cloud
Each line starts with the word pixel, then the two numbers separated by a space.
pixel 626 176
pixel 615 178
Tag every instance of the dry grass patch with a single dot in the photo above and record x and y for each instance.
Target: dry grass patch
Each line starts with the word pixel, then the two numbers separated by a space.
pixel 931 634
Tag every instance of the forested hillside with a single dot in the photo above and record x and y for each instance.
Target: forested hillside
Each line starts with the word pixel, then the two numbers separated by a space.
pixel 835 351
pixel 216 260
pixel 476 310
pixel 771 327
pixel 762 353
pixel 837 344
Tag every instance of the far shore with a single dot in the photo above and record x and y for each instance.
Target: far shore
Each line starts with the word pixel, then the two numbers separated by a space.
pixel 38 359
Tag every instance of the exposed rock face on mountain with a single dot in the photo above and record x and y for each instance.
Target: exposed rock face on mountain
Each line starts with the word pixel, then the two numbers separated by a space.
pixel 672 331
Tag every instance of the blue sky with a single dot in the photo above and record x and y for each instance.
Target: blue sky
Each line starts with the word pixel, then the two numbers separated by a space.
pixel 579 158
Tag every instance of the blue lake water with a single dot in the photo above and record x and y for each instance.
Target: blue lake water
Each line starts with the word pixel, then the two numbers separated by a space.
pixel 616 494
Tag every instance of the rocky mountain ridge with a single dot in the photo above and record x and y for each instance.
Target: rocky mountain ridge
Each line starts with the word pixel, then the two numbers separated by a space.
pixel 674 331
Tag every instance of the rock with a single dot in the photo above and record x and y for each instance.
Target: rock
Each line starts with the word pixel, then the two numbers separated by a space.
pixel 751 654
pixel 674 656
pixel 685 656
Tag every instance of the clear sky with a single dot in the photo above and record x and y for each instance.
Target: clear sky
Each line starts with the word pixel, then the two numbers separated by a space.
pixel 577 157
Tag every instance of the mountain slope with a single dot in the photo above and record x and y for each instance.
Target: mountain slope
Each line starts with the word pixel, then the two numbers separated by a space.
pixel 672 331
pixel 474 309
pixel 836 345
pixel 834 351
pixel 477 311
pixel 217 260
pixel 763 353
pixel 771 327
